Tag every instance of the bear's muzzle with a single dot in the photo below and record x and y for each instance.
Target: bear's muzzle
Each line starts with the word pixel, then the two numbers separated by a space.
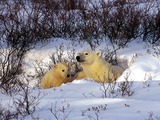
pixel 79 59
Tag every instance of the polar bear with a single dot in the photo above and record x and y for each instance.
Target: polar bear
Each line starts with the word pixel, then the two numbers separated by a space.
pixel 58 75
pixel 97 68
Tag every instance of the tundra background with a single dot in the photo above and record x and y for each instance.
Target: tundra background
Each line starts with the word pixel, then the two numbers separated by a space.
pixel 34 35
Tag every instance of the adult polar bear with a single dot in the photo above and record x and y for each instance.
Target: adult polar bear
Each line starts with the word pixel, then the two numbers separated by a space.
pixel 97 68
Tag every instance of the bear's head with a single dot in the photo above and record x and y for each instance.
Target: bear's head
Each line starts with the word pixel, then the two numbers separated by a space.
pixel 63 70
pixel 88 57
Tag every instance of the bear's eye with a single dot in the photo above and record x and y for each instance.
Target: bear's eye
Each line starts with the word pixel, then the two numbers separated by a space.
pixel 86 53
pixel 62 70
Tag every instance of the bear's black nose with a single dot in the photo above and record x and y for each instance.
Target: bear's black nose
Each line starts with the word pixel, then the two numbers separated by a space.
pixel 68 75
pixel 78 58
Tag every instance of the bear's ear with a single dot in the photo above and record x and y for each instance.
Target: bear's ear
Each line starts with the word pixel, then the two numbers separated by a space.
pixel 99 53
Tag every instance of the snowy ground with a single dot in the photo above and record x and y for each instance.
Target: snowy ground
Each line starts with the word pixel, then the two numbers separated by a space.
pixel 85 99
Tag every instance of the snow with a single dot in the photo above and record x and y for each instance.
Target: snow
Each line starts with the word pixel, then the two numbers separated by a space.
pixel 84 99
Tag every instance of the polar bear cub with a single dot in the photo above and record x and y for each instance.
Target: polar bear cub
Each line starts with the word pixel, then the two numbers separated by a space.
pixel 58 75
pixel 97 68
